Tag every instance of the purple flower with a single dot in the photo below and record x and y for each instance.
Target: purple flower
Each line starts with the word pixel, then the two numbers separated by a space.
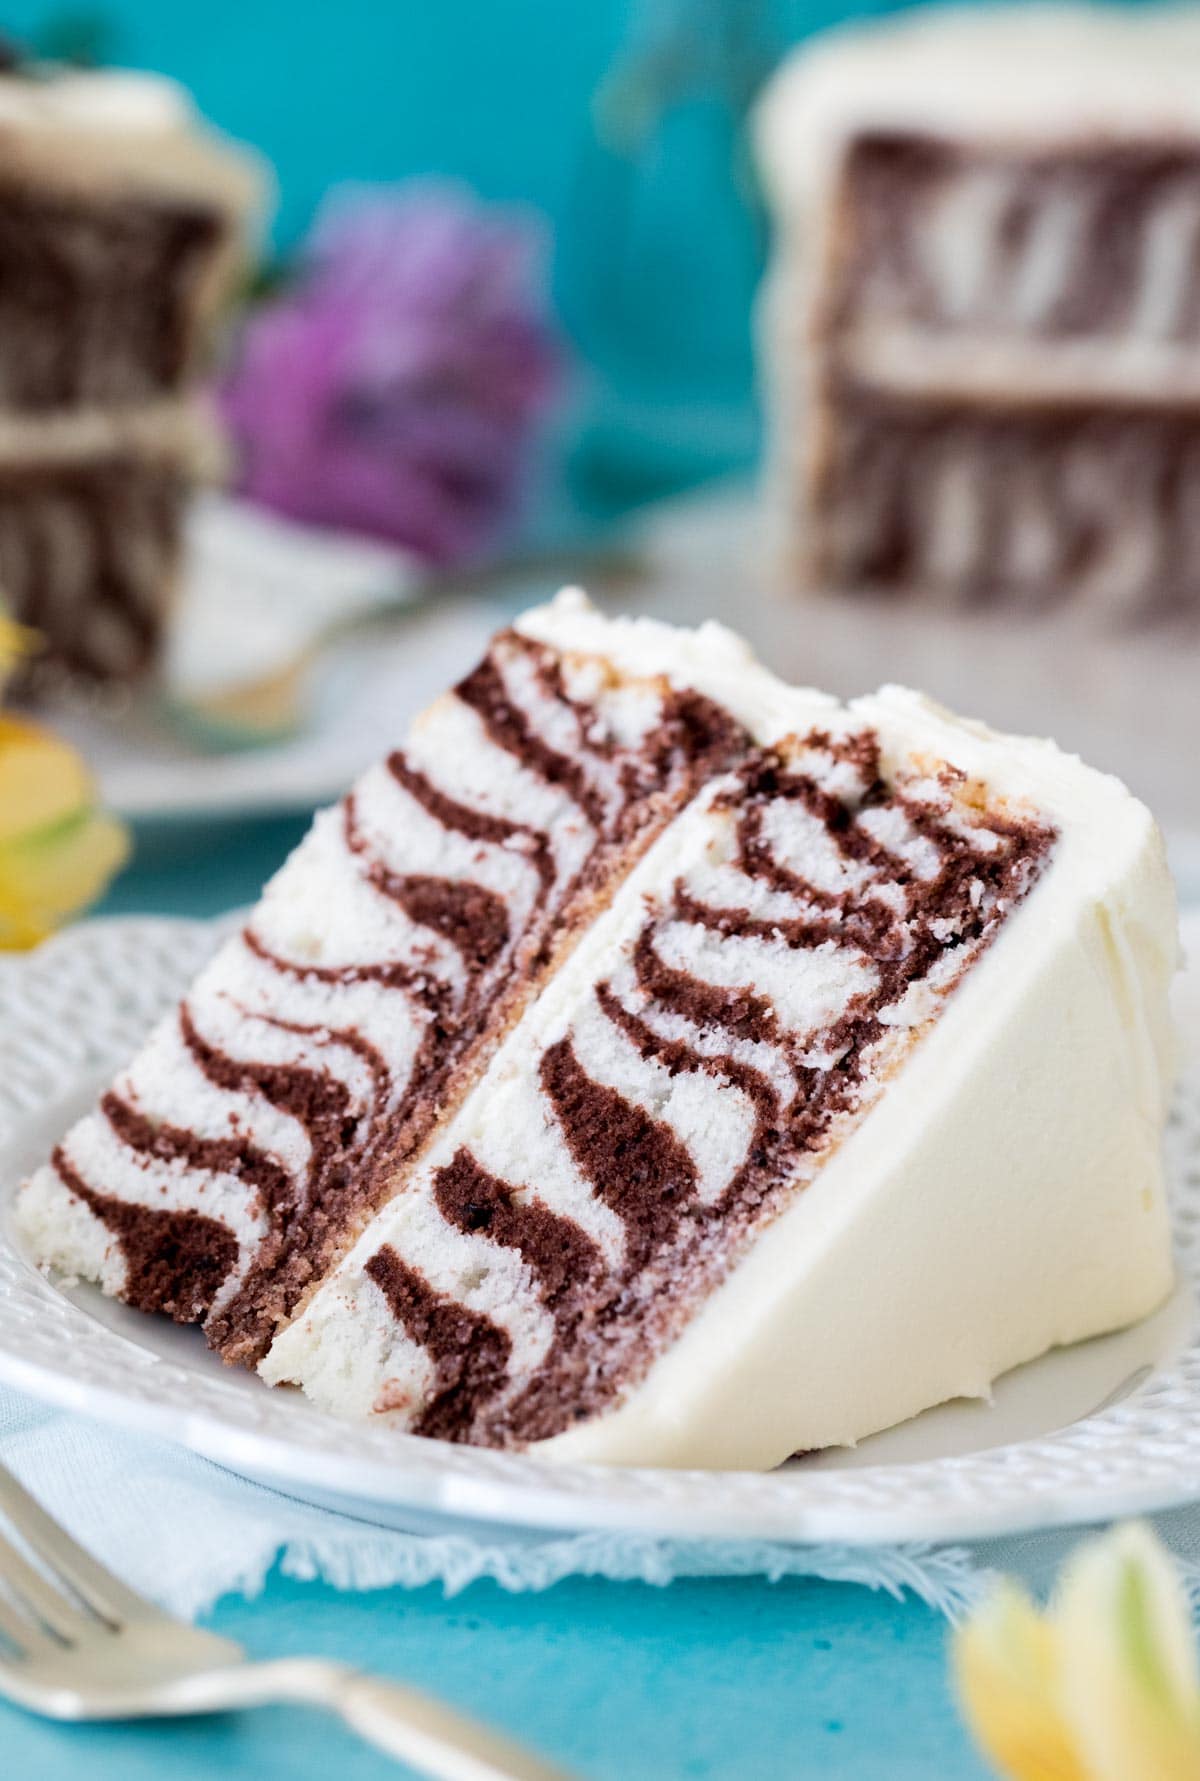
pixel 396 385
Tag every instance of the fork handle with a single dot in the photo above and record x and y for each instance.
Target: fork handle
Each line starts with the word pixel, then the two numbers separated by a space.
pixel 431 1737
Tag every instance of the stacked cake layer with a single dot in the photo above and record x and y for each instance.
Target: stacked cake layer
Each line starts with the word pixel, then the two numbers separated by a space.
pixel 122 229
pixel 265 1119
pixel 980 334
pixel 655 1063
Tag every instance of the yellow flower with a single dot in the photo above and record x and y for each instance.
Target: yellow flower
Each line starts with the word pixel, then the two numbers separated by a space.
pixel 1129 1685
pixel 1006 1659
pixel 57 852
pixel 1104 1687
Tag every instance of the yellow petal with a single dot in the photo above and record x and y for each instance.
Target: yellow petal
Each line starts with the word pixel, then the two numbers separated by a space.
pixel 52 874
pixel 16 641
pixel 42 780
pixel 1006 1663
pixel 1129 1685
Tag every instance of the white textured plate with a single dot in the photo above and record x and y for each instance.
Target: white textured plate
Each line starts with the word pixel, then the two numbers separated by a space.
pixel 1110 1427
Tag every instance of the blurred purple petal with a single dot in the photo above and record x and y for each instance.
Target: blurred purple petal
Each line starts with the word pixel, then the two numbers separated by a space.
pixel 398 385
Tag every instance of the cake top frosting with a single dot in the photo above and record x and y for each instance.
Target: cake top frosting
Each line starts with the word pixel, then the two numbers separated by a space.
pixel 117 129
pixel 46 96
pixel 711 659
pixel 1040 73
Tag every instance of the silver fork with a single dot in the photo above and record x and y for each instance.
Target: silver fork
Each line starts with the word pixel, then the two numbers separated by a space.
pixel 81 1645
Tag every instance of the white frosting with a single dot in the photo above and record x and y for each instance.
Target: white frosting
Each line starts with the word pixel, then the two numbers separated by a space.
pixel 116 101
pixel 1046 73
pixel 86 132
pixel 712 659
pixel 107 100
pixel 981 368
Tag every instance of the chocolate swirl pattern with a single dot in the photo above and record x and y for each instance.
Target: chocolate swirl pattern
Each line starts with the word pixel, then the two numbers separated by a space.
pixel 732 1023
pixel 328 1040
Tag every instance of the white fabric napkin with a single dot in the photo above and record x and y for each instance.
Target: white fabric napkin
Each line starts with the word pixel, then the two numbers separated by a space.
pixel 185 1533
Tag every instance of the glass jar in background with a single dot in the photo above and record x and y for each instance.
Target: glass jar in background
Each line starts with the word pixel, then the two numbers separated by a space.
pixel 660 252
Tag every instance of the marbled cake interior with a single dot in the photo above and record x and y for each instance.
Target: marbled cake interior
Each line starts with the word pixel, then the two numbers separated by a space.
pixel 719 1033
pixel 101 296
pixel 268 1114
pixel 1036 506
pixel 89 553
pixel 1041 241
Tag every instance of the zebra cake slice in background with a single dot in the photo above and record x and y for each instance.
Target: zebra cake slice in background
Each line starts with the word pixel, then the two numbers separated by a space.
pixel 654 1063
pixel 128 224
pixel 980 331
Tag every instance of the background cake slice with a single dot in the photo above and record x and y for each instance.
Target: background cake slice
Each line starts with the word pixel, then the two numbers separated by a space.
pixel 92 506
pixel 269 1114
pixel 980 332
pixel 851 1101
pixel 125 225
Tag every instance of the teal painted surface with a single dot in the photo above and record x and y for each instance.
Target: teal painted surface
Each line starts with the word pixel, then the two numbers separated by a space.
pixel 703 1681
pixel 179 869
pixel 491 91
